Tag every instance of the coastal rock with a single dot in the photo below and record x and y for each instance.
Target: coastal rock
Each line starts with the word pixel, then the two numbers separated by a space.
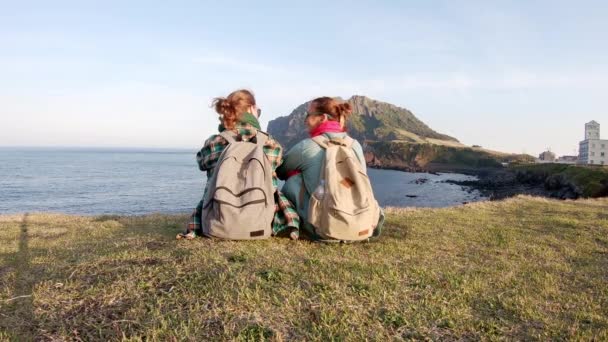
pixel 506 183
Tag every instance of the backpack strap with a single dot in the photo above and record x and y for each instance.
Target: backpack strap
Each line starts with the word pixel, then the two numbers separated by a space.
pixel 324 143
pixel 261 138
pixel 321 141
pixel 348 141
pixel 228 136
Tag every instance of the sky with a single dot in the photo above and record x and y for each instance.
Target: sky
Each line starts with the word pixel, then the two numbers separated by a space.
pixel 514 76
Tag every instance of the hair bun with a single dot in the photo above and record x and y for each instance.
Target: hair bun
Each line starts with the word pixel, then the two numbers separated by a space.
pixel 232 107
pixel 337 110
pixel 223 106
pixel 344 109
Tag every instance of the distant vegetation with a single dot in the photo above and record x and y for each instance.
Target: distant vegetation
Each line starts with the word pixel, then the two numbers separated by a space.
pixel 590 181
pixel 426 156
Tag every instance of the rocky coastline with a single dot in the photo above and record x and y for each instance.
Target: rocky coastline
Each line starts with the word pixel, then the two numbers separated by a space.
pixel 504 183
pixel 501 183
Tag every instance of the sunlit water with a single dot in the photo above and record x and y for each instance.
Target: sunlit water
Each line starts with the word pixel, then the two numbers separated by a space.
pixel 93 181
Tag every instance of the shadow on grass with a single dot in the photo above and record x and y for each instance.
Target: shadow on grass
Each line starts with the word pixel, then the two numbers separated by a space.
pixel 74 257
pixel 21 321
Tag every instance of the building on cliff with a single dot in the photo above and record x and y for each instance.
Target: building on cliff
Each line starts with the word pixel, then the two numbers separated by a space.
pixel 546 157
pixel 593 150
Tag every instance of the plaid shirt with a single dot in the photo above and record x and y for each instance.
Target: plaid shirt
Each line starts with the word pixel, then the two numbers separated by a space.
pixel 286 215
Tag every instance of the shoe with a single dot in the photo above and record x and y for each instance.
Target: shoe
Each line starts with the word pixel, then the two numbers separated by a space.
pixel 186 236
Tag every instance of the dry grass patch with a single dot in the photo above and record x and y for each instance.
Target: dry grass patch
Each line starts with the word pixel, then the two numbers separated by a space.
pixel 523 269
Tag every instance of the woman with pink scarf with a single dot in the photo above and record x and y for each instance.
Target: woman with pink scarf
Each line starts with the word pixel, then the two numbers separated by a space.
pixel 301 168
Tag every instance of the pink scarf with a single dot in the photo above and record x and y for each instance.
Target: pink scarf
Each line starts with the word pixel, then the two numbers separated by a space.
pixel 325 127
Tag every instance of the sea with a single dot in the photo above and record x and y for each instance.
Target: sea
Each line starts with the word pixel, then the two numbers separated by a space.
pixel 94 181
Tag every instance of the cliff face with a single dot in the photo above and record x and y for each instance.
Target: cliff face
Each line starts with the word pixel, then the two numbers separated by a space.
pixel 288 130
pixel 393 137
pixel 426 157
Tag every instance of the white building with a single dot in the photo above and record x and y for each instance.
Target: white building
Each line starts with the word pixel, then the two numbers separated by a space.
pixel 593 150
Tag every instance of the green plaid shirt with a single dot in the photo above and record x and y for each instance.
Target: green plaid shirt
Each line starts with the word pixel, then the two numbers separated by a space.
pixel 286 215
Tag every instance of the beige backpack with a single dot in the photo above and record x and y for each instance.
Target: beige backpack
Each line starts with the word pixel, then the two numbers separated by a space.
pixel 343 206
pixel 240 196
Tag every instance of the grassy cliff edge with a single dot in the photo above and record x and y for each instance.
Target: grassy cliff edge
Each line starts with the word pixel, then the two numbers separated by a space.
pixel 589 181
pixel 524 268
pixel 409 156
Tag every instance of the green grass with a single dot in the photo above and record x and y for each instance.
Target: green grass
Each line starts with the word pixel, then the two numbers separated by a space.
pixel 522 269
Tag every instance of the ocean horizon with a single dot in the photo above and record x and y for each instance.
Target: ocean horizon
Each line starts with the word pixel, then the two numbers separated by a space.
pixel 137 181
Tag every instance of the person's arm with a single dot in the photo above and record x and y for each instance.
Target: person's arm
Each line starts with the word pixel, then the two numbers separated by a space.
pixel 292 161
pixel 274 153
pixel 209 155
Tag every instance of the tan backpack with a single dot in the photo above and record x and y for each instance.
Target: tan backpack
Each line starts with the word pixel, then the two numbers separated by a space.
pixel 240 198
pixel 343 206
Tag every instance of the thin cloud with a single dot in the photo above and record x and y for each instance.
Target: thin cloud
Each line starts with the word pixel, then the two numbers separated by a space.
pixel 520 79
pixel 507 80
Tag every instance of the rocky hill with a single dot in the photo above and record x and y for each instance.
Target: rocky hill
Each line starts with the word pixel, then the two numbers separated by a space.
pixel 395 138
pixel 371 121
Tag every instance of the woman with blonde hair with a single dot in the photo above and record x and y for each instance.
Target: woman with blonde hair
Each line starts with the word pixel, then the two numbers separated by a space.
pixel 239 114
